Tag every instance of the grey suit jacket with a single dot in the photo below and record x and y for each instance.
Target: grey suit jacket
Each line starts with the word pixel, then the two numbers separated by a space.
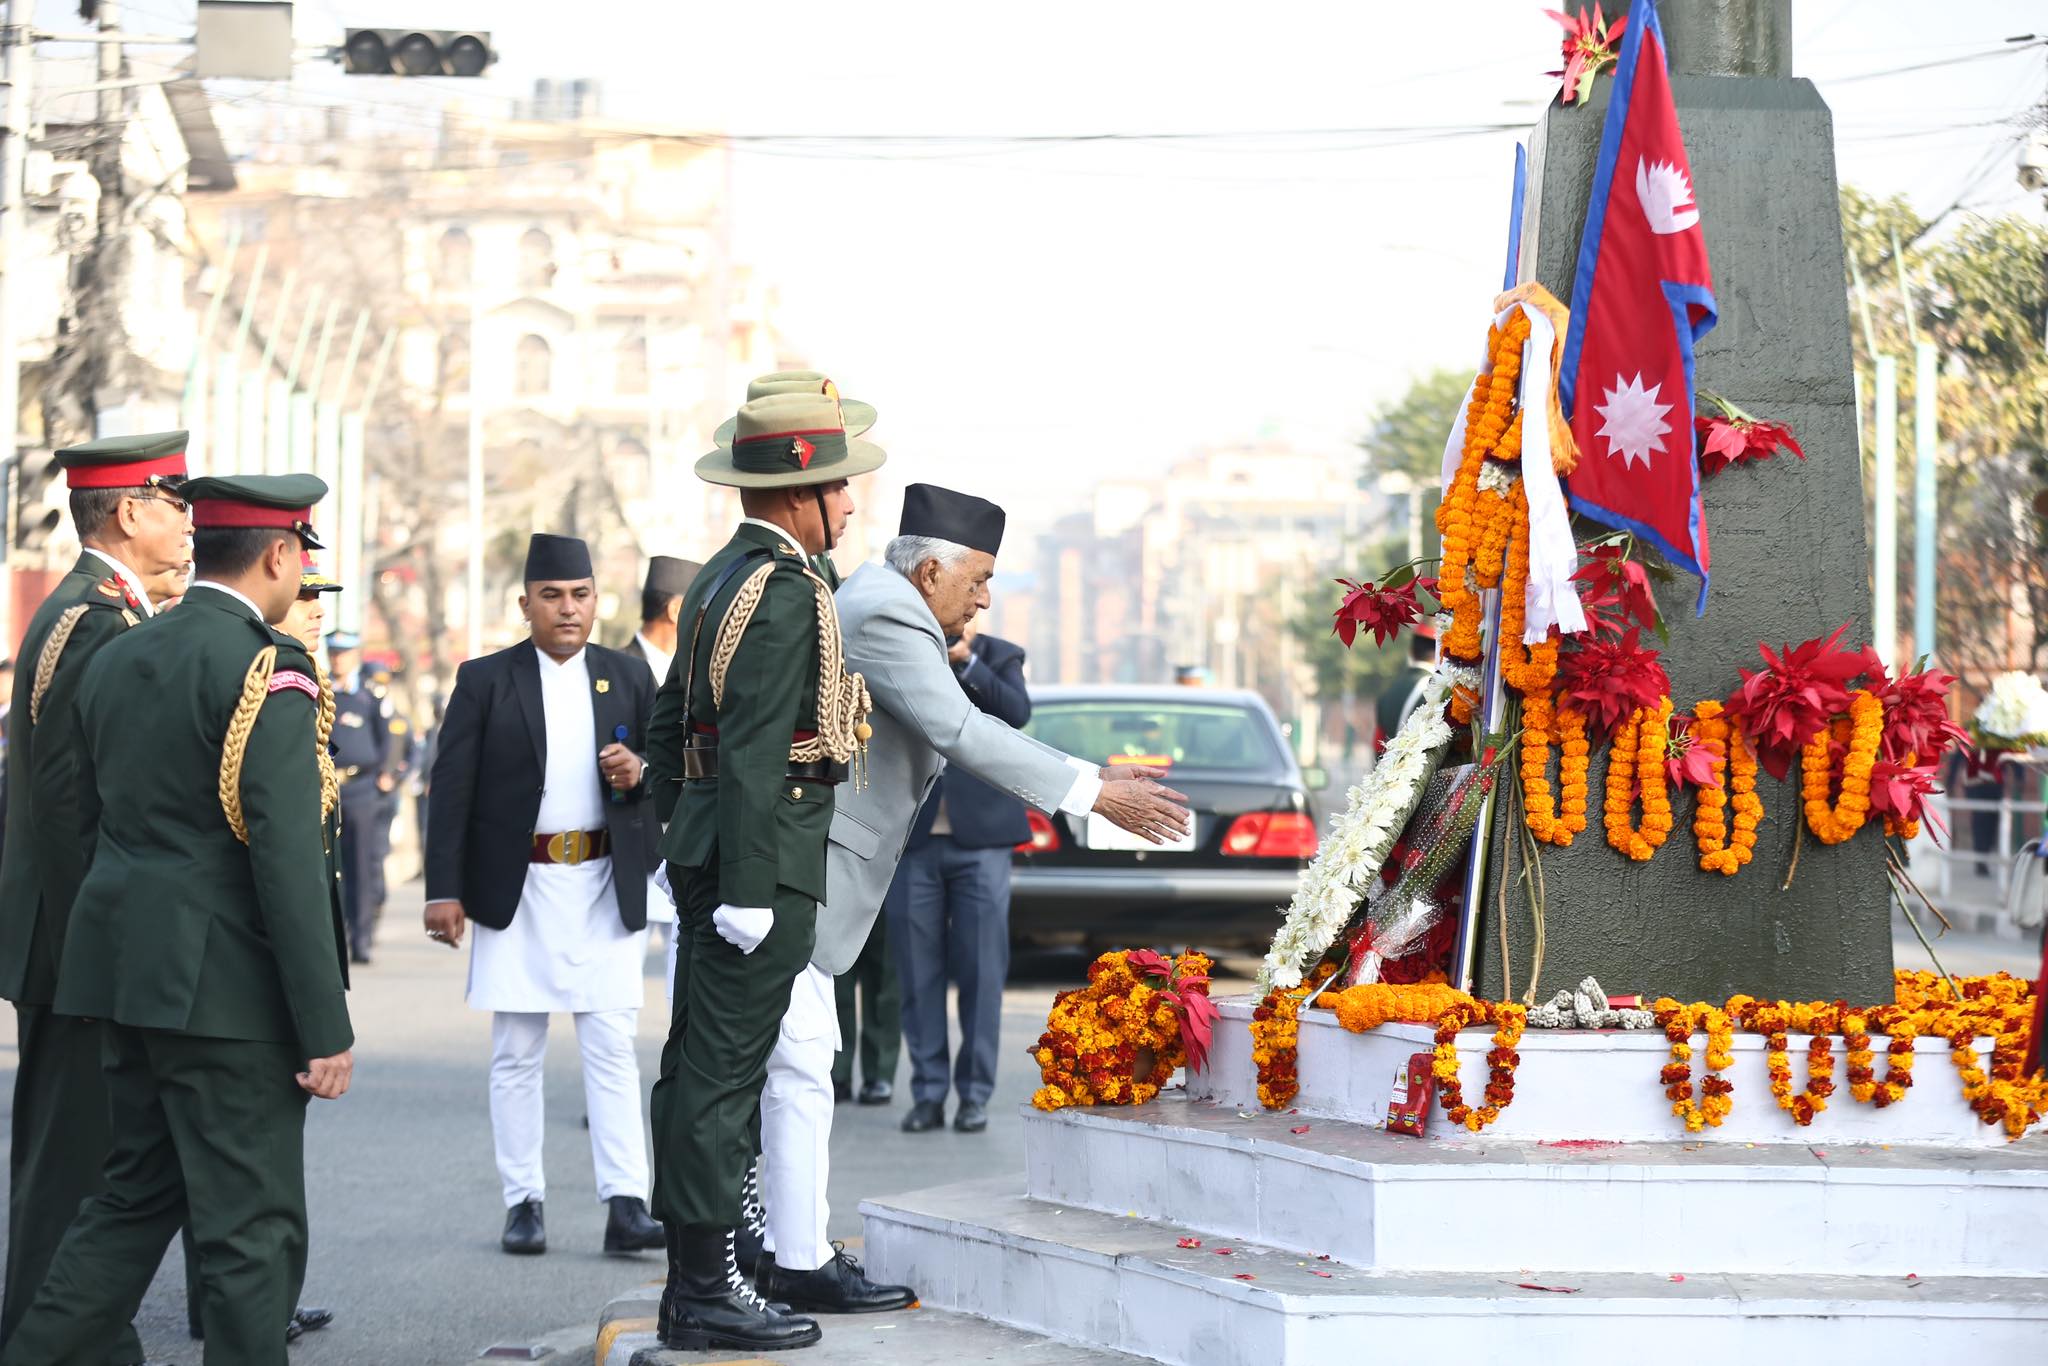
pixel 921 720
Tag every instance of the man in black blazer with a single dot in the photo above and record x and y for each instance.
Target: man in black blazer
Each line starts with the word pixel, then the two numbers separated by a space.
pixel 541 833
pixel 948 910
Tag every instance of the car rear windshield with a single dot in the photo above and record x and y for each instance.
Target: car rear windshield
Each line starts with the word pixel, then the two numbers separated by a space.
pixel 1184 734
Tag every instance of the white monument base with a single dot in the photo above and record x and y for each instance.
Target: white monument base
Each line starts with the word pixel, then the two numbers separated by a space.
pixel 1583 1084
pixel 1205 1231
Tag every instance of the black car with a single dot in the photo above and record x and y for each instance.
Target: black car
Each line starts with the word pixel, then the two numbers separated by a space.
pixel 1228 885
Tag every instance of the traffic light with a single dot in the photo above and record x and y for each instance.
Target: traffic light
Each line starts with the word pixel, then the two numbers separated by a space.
pixel 415 52
pixel 34 517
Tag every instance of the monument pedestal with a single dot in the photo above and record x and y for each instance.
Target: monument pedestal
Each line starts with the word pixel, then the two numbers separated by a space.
pixel 1197 1230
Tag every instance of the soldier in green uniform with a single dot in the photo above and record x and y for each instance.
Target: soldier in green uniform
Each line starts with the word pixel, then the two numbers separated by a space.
pixel 134 530
pixel 751 731
pixel 205 936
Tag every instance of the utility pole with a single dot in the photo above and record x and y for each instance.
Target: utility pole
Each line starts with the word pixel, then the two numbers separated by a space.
pixel 17 64
pixel 104 343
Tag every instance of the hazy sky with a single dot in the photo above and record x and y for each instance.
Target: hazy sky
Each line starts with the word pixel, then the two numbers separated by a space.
pixel 1030 318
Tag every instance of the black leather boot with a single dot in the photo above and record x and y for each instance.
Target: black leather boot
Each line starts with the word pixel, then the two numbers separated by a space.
pixel 837 1287
pixel 671 1292
pixel 709 1304
pixel 630 1228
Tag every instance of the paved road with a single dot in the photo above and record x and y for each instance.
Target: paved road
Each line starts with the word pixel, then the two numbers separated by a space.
pixel 404 1197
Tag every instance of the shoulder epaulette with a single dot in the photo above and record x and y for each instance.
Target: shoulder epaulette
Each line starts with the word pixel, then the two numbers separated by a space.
pixel 116 589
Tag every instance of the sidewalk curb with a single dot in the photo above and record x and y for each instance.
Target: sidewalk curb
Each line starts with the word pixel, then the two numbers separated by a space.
pixel 564 1347
pixel 626 1328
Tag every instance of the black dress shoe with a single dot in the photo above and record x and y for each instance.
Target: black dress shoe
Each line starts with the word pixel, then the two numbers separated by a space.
pixel 842 1092
pixel 526 1232
pixel 630 1228
pixel 924 1117
pixel 837 1287
pixel 707 1303
pixel 360 959
pixel 876 1092
pixel 971 1118
pixel 304 1321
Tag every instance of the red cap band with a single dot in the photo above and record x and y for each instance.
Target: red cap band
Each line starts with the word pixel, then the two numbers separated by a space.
pixel 227 512
pixel 134 475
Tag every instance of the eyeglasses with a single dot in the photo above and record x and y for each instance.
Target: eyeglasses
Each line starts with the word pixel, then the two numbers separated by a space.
pixel 179 503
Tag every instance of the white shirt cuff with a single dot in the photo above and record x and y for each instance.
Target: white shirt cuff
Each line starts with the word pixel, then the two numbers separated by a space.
pixel 1080 798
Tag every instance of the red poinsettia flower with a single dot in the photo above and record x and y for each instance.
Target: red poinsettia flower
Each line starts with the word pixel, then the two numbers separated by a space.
pixel 1188 994
pixel 1591 45
pixel 1916 719
pixel 1733 436
pixel 1687 762
pixel 1786 703
pixel 1609 679
pixel 1901 791
pixel 1617 589
pixel 1382 611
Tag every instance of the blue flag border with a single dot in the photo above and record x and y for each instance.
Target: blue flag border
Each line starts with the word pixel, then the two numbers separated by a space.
pixel 1642 18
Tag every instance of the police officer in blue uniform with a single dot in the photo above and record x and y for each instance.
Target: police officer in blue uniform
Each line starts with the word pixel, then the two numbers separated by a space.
pixel 362 760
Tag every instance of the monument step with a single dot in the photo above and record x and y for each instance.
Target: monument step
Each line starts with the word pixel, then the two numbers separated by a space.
pixel 1126 1283
pixel 1410 1204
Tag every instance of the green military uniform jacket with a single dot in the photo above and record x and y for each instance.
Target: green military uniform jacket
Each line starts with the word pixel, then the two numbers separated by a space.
pixel 49 841
pixel 179 925
pixel 751 826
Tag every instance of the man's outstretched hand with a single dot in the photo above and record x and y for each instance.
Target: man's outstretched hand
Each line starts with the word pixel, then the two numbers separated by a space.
pixel 1133 799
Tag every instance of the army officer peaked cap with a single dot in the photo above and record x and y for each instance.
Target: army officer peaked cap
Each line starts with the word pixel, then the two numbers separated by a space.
pixel 125 462
pixel 859 416
pixel 789 441
pixel 282 502
pixel 311 580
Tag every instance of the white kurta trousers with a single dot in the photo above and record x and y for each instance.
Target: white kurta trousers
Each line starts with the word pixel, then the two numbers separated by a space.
pixel 611 1093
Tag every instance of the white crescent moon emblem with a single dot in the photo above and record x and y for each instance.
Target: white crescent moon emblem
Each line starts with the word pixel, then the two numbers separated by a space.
pixel 1662 191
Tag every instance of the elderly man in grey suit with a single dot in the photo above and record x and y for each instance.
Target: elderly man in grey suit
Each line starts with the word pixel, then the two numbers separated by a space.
pixel 894 619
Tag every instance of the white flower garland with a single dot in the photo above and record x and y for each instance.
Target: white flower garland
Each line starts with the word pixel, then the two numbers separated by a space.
pixel 1351 855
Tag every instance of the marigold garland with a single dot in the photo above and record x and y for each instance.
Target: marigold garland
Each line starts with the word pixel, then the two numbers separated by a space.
pixel 1464 525
pixel 1716 1095
pixel 1095 1035
pixel 1372 1004
pixel 1276 1034
pixel 1508 1021
pixel 1735 764
pixel 1838 821
pixel 1635 763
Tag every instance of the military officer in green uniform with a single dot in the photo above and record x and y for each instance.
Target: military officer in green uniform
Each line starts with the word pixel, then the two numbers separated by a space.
pixel 755 724
pixel 134 530
pixel 205 936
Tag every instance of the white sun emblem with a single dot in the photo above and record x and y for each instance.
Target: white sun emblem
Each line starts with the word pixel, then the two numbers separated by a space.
pixel 1662 190
pixel 1633 420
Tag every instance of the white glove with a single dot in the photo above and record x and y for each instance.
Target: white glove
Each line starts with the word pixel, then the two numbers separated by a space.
pixel 661 881
pixel 743 927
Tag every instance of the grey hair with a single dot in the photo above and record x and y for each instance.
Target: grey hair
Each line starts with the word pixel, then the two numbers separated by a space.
pixel 906 553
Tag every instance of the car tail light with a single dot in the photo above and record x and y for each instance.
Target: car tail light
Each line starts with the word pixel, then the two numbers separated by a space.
pixel 1271 834
pixel 1045 837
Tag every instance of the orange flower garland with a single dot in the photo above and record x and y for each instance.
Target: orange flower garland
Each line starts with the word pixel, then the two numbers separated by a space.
pixel 1095 1037
pixel 1276 1034
pixel 1835 822
pixel 1773 1021
pixel 1541 723
pixel 1501 1060
pixel 1464 524
pixel 1735 765
pixel 1372 1004
pixel 1717 1093
pixel 1636 762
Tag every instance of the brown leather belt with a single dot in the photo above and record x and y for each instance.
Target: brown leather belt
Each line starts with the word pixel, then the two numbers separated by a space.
pixel 700 761
pixel 571 847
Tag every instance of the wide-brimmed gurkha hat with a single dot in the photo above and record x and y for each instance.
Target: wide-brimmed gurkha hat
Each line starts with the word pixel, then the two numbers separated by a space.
pixel 281 502
pixel 859 416
pixel 789 441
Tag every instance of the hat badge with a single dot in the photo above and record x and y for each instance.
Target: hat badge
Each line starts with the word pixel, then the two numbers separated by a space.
pixel 802 451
